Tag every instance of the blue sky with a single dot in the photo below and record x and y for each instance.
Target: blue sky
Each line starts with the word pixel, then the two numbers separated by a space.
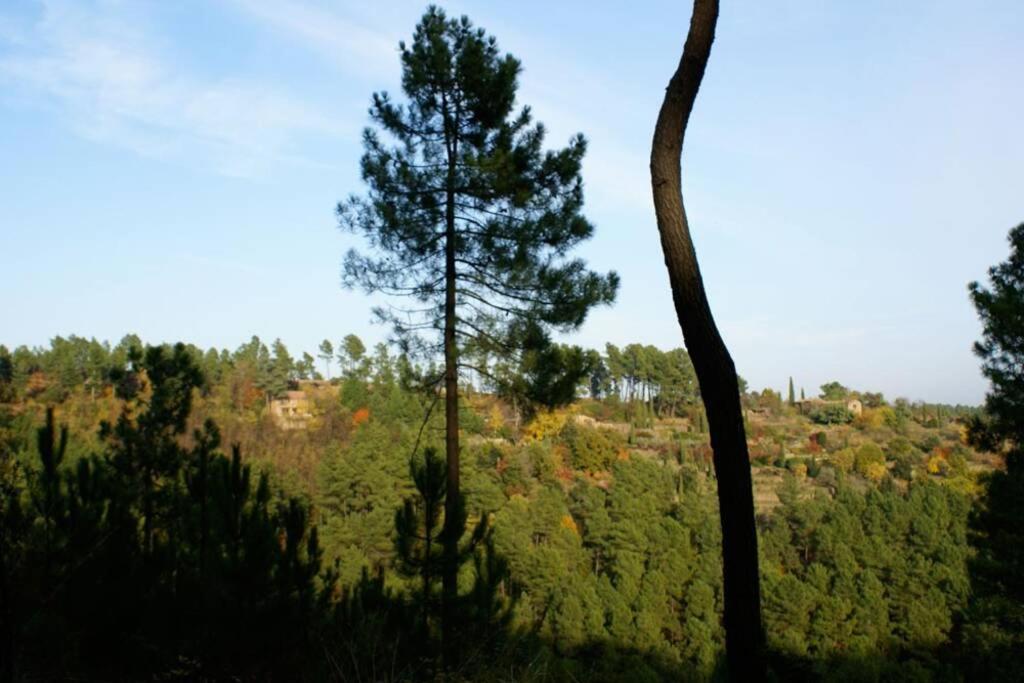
pixel 171 168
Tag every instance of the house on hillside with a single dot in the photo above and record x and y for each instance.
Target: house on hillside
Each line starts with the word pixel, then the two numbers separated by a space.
pixel 291 411
pixel 809 405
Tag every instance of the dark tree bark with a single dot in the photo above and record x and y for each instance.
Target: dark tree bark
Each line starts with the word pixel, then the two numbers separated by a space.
pixel 453 522
pixel 716 373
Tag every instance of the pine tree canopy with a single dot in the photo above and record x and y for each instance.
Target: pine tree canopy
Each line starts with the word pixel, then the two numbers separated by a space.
pixel 1001 309
pixel 458 171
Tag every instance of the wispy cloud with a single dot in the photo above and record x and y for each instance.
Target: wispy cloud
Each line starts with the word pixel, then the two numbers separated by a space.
pixel 99 70
pixel 554 83
pixel 345 42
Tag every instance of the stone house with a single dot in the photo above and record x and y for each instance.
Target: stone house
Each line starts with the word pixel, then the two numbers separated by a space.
pixel 808 405
pixel 292 410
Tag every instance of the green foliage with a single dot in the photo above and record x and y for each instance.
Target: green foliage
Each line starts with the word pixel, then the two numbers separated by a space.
pixel 664 381
pixel 326 354
pixel 280 372
pixel 903 468
pixel 466 214
pixel 765 400
pixel 590 560
pixel 418 526
pixel 834 391
pixel 546 377
pixel 591 449
pixel 306 368
pixel 1001 309
pixel 995 629
pixel 834 587
pixel 868 455
pixel 899 417
pixel 462 199
pixel 352 357
pixel 360 489
pixel 151 557
pixel 830 414
pixel 843 459
pixel 7 388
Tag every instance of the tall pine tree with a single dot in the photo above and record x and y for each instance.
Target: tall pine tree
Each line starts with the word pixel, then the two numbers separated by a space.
pixel 467 215
pixel 997 570
pixel 326 354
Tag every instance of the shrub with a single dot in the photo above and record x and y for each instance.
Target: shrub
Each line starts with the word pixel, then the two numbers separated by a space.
pixel 902 469
pixel 819 439
pixel 843 460
pixel 875 471
pixel 871 418
pixel 545 424
pixel 958 460
pixel 827 477
pixel 937 464
pixel 900 447
pixel 930 443
pixel 813 468
pixel 832 414
pixel 869 455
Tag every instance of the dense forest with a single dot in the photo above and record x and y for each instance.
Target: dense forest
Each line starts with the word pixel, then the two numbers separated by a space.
pixel 163 513
pixel 474 500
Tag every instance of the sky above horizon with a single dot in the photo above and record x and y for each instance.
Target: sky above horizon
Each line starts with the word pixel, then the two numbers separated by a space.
pixel 171 169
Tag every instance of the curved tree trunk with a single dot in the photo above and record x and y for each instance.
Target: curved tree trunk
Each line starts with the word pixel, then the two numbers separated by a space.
pixel 716 373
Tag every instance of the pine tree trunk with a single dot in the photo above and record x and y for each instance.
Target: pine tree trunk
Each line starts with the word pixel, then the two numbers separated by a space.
pixel 8 645
pixel 147 512
pixel 450 532
pixel 716 372
pixel 204 516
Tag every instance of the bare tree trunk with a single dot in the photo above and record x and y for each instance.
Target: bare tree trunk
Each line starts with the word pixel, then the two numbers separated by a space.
pixel 716 373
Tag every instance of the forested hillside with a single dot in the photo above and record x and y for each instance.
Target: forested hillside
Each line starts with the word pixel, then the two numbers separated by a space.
pixel 591 542
pixel 475 500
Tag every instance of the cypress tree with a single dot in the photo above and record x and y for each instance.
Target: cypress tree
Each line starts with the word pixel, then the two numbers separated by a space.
pixel 468 216
pixel 792 393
